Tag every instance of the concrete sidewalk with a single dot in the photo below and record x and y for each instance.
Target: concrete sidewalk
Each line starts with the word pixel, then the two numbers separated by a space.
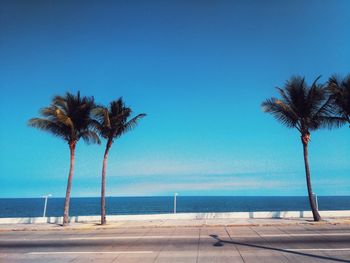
pixel 164 223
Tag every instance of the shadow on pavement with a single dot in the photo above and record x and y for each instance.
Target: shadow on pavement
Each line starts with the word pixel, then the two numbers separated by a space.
pixel 221 242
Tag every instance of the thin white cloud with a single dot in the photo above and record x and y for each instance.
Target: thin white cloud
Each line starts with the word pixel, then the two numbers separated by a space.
pixel 227 184
pixel 159 188
pixel 160 166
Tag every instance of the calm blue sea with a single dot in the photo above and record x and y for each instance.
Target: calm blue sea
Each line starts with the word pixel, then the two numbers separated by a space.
pixel 33 207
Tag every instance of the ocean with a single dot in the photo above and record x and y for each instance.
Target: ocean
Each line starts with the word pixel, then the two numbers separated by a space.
pixel 33 207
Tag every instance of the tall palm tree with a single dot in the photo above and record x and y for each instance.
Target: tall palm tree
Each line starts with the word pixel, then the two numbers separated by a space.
pixel 68 117
pixel 340 96
pixel 305 108
pixel 111 123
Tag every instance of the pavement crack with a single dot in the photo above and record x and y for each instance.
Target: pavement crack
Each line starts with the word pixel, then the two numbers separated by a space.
pixel 267 242
pixel 228 233
pixel 199 238
pixel 165 244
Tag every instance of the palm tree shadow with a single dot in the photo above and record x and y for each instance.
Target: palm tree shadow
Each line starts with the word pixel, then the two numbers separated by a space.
pixel 219 243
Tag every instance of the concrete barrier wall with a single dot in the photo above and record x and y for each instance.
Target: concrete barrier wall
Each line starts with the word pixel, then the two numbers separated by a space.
pixel 188 216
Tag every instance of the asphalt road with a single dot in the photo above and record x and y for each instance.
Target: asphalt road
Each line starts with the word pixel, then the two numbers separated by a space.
pixel 309 243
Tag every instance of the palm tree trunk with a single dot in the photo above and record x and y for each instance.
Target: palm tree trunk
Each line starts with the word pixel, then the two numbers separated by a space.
pixel 69 184
pixel 315 213
pixel 103 183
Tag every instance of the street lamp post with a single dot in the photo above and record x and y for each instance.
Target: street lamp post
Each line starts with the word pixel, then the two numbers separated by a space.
pixel 175 194
pixel 314 196
pixel 45 205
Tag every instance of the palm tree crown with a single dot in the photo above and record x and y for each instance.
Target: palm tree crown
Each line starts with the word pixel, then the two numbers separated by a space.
pixel 112 122
pixel 302 107
pixel 68 117
pixel 340 95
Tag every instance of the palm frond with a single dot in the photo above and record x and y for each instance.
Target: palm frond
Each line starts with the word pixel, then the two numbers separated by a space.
pixel 303 107
pixel 331 122
pixel 54 113
pixel 296 90
pixel 284 95
pixel 90 136
pixel 95 125
pixel 101 114
pixel 49 126
pixel 68 117
pixel 113 121
pixel 339 90
pixel 130 125
pixel 281 111
pixel 315 100
pixel 60 102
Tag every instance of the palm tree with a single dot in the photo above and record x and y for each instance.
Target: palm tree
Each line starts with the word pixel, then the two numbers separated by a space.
pixel 111 123
pixel 340 97
pixel 68 117
pixel 305 108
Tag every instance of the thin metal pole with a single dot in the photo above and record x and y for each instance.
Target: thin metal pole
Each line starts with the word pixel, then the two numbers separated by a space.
pixel 175 194
pixel 315 200
pixel 45 205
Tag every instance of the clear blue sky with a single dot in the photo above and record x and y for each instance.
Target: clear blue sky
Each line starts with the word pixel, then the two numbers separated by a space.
pixel 199 69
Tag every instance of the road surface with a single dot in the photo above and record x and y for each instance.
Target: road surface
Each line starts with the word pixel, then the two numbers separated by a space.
pixel 309 243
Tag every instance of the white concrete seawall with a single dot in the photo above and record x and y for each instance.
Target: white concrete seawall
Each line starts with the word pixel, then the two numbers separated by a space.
pixel 185 216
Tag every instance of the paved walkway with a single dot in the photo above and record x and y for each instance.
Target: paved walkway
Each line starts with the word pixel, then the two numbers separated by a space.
pixel 175 223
